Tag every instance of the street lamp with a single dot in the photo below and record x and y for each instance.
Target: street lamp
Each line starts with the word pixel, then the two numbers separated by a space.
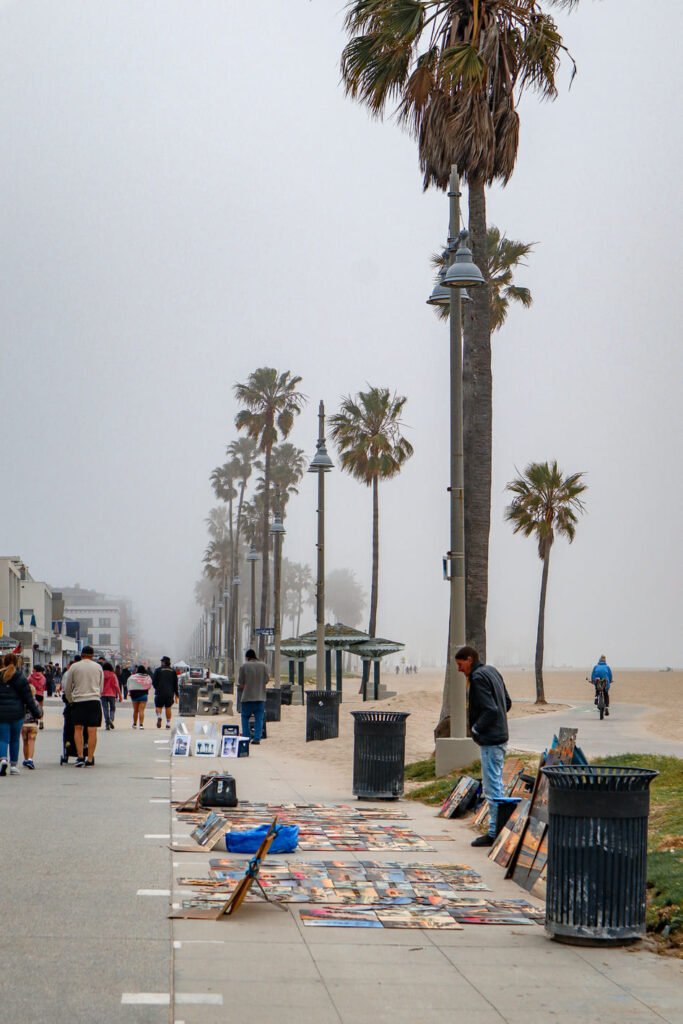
pixel 226 645
pixel 321 463
pixel 277 532
pixel 458 749
pixel 253 558
pixel 236 653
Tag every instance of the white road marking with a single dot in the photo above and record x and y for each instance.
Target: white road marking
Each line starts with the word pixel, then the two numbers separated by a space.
pixel 153 892
pixel 198 998
pixel 157 835
pixel 198 942
pixel 159 800
pixel 146 998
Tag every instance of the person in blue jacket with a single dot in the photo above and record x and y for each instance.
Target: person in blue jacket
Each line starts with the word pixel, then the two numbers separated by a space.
pixel 603 671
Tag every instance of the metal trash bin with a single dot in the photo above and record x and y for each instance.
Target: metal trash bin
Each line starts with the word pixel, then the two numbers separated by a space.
pixel 379 747
pixel 187 696
pixel 597 852
pixel 322 714
pixel 273 704
pixel 286 694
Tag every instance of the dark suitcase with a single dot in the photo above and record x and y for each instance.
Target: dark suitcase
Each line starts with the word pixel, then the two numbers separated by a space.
pixel 221 791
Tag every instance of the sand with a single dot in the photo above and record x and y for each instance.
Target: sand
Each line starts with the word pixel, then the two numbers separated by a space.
pixel 420 695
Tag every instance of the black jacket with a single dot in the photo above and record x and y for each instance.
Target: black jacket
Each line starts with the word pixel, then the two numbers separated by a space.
pixel 15 697
pixel 165 683
pixel 489 703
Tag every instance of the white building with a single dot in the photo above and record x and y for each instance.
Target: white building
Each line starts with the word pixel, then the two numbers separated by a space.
pixel 100 625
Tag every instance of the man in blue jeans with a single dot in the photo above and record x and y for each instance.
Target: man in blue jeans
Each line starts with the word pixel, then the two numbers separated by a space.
pixel 488 705
pixel 251 689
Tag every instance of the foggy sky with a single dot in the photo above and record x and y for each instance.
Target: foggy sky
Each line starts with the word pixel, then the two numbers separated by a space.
pixel 187 195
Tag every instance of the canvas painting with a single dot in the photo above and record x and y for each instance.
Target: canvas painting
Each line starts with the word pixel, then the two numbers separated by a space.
pixel 181 745
pixel 203 833
pixel 205 746
pixel 506 844
pixel 229 745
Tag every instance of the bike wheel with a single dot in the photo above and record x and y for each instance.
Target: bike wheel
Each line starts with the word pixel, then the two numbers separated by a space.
pixel 602 713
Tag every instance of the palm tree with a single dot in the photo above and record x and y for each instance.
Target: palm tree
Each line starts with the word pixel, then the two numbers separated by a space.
pixel 367 433
pixel 503 256
pixel 242 454
pixel 544 504
pixel 271 403
pixel 287 467
pixel 455 69
pixel 298 585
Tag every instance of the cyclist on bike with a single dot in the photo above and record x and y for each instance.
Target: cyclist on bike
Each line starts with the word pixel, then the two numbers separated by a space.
pixel 603 671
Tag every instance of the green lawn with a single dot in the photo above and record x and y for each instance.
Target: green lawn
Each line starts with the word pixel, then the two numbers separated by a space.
pixel 665 852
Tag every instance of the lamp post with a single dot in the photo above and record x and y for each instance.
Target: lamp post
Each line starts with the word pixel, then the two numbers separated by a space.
pixel 225 647
pixel 321 463
pixel 237 649
pixel 252 558
pixel 277 532
pixel 459 749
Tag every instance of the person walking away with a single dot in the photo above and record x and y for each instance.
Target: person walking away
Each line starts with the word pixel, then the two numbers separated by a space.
pixel 39 683
pixel 125 676
pixel 111 692
pixel 15 698
pixel 138 690
pixel 251 688
pixel 488 705
pixel 602 671
pixel 165 683
pixel 83 691
pixel 49 680
pixel 29 732
pixel 57 678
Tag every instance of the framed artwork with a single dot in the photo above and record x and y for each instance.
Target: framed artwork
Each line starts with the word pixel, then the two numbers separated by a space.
pixel 205 746
pixel 181 745
pixel 229 745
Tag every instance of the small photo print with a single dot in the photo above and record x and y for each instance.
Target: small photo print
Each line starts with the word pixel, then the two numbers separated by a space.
pixel 229 745
pixel 181 745
pixel 205 746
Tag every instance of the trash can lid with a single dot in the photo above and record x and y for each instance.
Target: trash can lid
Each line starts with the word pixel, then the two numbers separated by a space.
pixel 608 778
pixel 380 716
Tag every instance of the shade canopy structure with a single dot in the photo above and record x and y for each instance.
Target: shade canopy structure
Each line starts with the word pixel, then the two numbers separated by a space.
pixel 339 636
pixel 297 647
pixel 376 648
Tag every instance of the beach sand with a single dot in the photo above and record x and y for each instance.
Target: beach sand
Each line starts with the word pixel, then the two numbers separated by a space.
pixel 420 695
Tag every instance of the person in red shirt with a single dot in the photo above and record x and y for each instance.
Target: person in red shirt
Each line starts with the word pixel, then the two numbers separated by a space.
pixel 111 692
pixel 38 681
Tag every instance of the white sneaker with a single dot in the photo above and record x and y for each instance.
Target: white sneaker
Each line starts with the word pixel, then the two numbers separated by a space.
pixel 13 770
pixel 3 766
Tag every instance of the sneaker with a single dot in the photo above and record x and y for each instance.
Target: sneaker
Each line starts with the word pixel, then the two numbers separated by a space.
pixel 90 764
pixel 158 721
pixel 13 770
pixel 41 724
pixel 3 766
pixel 111 725
pixel 255 743
pixel 483 841
pixel 79 762
pixel 141 726
pixel 607 712
pixel 134 725
pixel 168 725
pixel 28 763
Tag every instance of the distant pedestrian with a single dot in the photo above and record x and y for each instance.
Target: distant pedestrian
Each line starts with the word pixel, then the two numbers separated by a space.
pixel 251 688
pixel 38 681
pixel 29 732
pixel 15 697
pixel 111 692
pixel 125 676
pixel 489 703
pixel 138 690
pixel 604 672
pixel 57 678
pixel 83 691
pixel 165 683
pixel 49 680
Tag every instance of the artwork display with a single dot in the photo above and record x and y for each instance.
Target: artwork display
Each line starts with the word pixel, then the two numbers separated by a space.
pixel 507 841
pixel 181 745
pixel 461 797
pixel 205 746
pixel 234 745
pixel 209 829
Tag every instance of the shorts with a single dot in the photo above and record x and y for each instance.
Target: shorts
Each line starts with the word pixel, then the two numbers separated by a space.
pixel 138 696
pixel 162 700
pixel 87 713
pixel 29 728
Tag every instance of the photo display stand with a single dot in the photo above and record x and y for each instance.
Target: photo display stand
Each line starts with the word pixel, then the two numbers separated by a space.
pixel 237 896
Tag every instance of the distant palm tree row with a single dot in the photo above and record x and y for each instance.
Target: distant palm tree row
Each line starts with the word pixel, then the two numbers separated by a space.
pixel 367 434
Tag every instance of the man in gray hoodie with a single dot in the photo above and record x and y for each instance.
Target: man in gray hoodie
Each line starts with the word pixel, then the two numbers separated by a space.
pixel 251 687
pixel 82 690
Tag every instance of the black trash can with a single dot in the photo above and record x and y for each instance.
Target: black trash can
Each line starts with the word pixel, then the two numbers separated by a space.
pixel 187 696
pixel 286 694
pixel 379 747
pixel 597 853
pixel 273 704
pixel 322 715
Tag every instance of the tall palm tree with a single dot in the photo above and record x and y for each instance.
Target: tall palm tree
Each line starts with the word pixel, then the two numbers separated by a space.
pixel 503 256
pixel 287 467
pixel 545 504
pixel 271 403
pixel 455 69
pixel 298 585
pixel 367 434
pixel 242 453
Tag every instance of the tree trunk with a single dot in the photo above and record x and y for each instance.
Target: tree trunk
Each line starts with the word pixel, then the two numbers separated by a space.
pixel 265 542
pixel 372 628
pixel 540 634
pixel 477 432
pixel 234 612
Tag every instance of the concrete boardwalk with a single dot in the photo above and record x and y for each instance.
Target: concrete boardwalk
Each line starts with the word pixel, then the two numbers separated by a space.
pixel 80 946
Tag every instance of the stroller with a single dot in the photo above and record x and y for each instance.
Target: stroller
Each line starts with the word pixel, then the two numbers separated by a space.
pixel 68 743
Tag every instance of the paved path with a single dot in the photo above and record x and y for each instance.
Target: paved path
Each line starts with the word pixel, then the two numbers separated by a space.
pixel 624 732
pixel 80 946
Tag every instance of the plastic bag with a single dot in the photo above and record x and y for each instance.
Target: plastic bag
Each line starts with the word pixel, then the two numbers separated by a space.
pixel 286 839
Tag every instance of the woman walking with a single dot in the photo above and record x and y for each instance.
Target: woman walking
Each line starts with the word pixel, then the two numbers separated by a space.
pixel 111 692
pixel 29 732
pixel 38 682
pixel 15 698
pixel 138 691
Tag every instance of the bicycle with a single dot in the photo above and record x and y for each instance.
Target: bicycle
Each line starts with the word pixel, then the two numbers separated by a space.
pixel 600 691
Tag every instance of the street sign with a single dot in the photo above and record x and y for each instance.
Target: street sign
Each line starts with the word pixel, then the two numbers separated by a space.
pixel 265 631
